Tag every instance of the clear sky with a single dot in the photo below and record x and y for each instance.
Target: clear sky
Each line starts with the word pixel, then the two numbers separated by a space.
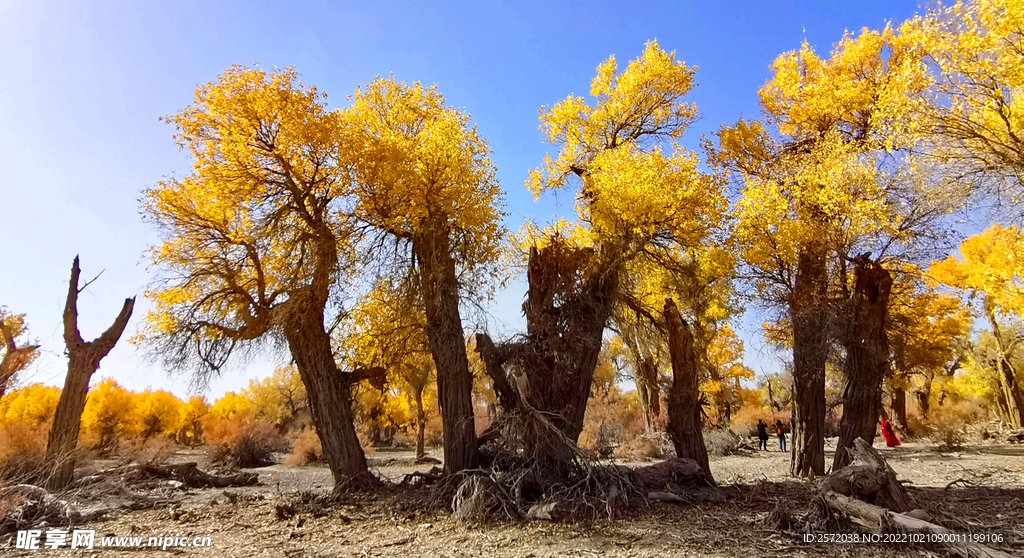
pixel 82 85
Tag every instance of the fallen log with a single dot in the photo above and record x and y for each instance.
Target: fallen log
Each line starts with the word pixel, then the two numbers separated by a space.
pixel 878 518
pixel 868 478
pixel 190 475
pixel 677 471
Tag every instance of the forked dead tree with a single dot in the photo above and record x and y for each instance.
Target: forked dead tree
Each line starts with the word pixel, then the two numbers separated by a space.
pixel 83 360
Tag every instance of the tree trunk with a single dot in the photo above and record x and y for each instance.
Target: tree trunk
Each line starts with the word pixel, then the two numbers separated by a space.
pixel 647 389
pixel 328 389
pixel 566 313
pixel 899 407
pixel 809 315
pixel 83 360
pixel 421 424
pixel 565 327
pixel 448 346
pixel 722 399
pixel 684 424
pixel 1011 392
pixel 924 394
pixel 1004 370
pixel 867 356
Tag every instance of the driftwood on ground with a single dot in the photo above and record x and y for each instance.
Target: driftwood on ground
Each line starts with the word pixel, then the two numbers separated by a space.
pixel 875 517
pixel 190 475
pixel 677 471
pixel 868 478
pixel 25 506
pixel 868 492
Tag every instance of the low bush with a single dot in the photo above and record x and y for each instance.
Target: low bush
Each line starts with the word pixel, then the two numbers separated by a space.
pixel 239 443
pixel 306 448
pixel 645 447
pixel 22 451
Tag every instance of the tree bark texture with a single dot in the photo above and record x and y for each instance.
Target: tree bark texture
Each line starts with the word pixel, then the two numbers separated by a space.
pixel 447 342
pixel 83 360
pixel 566 313
pixel 328 389
pixel 867 356
pixel 809 315
pixel 684 423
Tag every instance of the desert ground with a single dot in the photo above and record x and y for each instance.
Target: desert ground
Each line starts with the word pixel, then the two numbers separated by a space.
pixel 978 488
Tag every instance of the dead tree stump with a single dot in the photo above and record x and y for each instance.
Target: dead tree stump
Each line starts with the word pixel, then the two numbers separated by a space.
pixel 868 478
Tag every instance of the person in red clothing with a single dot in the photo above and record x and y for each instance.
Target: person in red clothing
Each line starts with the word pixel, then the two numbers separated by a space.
pixel 889 434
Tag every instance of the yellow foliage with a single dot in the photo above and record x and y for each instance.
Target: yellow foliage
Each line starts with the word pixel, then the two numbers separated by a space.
pixel 422 170
pixel 239 229
pixel 110 412
pixel 159 412
pixel 812 170
pixel 993 264
pixel 230 405
pixel 978 112
pixel 33 404
pixel 635 181
pixel 279 398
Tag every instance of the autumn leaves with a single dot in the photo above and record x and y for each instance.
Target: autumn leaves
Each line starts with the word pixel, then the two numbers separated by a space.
pixel 292 208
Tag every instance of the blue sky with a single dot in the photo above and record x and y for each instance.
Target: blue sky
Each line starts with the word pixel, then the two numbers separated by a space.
pixel 82 85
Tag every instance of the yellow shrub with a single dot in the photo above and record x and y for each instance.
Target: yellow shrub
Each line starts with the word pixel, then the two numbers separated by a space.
pixel 34 403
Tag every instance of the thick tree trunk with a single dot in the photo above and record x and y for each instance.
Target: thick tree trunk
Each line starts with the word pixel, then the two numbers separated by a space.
pixel 328 389
pixel 448 346
pixel 867 356
pixel 684 424
pixel 83 360
pixel 565 321
pixel 566 314
pixel 809 315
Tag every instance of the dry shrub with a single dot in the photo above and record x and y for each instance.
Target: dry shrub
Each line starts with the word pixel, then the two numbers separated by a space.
pixel 645 447
pixel 612 419
pixel 240 443
pixel 150 451
pixel 306 448
pixel 22 451
pixel 947 424
pixel 744 421
pixel 433 432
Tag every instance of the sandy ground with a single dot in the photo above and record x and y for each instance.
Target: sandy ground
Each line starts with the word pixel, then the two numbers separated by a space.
pixel 988 495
